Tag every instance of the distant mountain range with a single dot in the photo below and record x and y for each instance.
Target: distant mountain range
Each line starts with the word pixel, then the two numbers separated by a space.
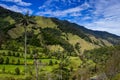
pixel 52 33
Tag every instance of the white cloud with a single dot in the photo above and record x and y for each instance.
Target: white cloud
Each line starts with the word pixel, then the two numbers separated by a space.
pixel 48 9
pixel 105 25
pixel 17 9
pixel 62 13
pixel 18 2
pixel 106 16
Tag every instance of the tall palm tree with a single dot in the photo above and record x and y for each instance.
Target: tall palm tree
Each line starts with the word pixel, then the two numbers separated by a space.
pixel 25 20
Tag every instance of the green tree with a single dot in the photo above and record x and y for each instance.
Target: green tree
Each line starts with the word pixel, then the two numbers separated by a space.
pixel 1 60
pixel 9 53
pixel 7 60
pixel 18 62
pixel 3 69
pixel 4 54
pixel 17 71
pixel 13 61
pixel 17 55
pixel 56 62
pixel 13 53
pixel 50 62
pixel 112 66
pixel 77 47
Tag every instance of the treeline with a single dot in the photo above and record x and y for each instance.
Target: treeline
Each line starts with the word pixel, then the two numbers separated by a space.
pixel 107 61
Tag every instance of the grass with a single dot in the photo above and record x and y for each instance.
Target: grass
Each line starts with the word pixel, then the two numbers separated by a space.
pixel 75 62
pixel 10 68
pixel 2 76
pixel 73 39
pixel 45 22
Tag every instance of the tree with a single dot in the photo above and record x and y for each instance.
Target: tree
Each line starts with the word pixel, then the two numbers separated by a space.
pixel 1 60
pixel 18 62
pixel 4 54
pixel 25 21
pixel 112 66
pixel 9 53
pixel 17 55
pixel 7 60
pixel 13 61
pixel 13 53
pixel 50 63
pixel 56 62
pixel 17 71
pixel 3 69
pixel 77 47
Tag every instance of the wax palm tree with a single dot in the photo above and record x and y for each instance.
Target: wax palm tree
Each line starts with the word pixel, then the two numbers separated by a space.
pixel 25 20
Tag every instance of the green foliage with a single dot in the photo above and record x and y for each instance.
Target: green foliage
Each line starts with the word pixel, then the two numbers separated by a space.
pixel 1 60
pixel 13 61
pixel 7 61
pixel 56 62
pixel 17 71
pixel 107 60
pixel 3 69
pixel 73 28
pixel 50 62
pixel 18 62
pixel 33 40
pixel 52 37
pixel 77 47
pixel 17 55
pixel 9 53
pixel 99 55
pixel 12 45
pixel 112 66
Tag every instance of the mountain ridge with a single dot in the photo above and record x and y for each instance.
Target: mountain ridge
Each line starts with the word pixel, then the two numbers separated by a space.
pixel 53 32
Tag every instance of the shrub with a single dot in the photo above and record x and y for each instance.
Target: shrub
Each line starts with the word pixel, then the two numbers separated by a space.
pixel 7 60
pixel 17 71
pixel 17 55
pixel 4 54
pixel 56 62
pixel 3 69
pixel 51 62
pixel 1 60
pixel 18 62
pixel 13 53
pixel 13 61
pixel 9 53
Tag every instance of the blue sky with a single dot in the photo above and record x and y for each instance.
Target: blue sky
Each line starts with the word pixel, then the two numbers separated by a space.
pixel 101 15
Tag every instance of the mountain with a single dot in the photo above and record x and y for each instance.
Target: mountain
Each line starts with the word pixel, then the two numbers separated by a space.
pixel 51 34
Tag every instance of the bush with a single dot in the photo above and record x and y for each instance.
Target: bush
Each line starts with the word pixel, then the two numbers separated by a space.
pixel 50 62
pixel 3 69
pixel 13 61
pixel 9 53
pixel 17 71
pixel 4 54
pixel 7 60
pixel 56 62
pixel 13 53
pixel 18 62
pixel 1 60
pixel 17 55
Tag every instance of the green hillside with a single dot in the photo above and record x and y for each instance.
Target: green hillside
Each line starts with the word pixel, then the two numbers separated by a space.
pixel 47 29
pixel 58 49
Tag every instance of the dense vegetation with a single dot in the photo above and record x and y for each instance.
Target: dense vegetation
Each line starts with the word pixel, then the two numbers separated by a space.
pixel 40 48
pixel 107 61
